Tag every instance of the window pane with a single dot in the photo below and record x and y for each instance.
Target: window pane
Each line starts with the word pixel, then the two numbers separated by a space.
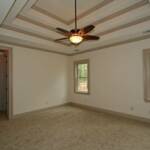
pixel 83 84
pixel 83 78
pixel 82 70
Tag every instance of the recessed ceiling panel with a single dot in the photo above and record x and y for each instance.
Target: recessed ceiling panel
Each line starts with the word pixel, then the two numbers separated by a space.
pixel 65 8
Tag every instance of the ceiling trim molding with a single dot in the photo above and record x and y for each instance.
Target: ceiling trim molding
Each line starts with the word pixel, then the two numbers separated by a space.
pixel 33 47
pixel 18 6
pixel 144 37
pixel 8 13
pixel 50 28
pixel 121 12
pixel 85 51
pixel 123 26
pixel 12 28
pixel 84 14
pixel 91 10
pixel 26 19
pixel 51 15
pixel 107 18
pixel 29 5
pixel 138 21
pixel 22 8
pixel 36 23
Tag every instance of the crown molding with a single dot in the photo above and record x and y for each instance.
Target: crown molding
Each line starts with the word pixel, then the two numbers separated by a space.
pixel 51 15
pixel 107 18
pixel 144 37
pixel 84 14
pixel 16 9
pixel 121 12
pixel 8 13
pixel 29 5
pixel 123 26
pixel 21 17
pixel 32 47
pixel 91 10
pixel 12 28
pixel 37 23
pixel 132 23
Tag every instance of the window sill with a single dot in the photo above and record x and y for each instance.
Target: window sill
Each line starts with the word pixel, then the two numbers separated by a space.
pixel 84 93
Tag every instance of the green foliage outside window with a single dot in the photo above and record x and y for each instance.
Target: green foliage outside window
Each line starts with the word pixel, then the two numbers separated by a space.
pixel 82 72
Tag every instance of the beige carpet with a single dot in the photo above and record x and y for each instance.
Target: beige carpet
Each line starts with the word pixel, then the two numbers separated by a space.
pixel 71 128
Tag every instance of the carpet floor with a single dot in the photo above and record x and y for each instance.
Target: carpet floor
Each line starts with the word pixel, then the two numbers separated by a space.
pixel 71 128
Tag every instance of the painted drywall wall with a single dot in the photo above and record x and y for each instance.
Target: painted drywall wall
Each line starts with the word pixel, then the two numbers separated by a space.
pixel 39 79
pixel 116 79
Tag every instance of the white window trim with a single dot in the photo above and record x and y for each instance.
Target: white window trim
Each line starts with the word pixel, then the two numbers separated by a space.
pixel 146 62
pixel 75 76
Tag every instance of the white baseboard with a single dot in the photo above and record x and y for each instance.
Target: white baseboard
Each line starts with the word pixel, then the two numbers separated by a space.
pixel 91 108
pixel 39 110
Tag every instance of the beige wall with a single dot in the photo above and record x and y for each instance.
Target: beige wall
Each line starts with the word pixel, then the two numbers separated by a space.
pixel 116 76
pixel 39 79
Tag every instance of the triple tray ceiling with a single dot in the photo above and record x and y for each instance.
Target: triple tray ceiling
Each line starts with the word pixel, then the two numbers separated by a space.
pixel 32 23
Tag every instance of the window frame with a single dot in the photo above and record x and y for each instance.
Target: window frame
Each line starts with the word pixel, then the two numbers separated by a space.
pixel 146 59
pixel 75 73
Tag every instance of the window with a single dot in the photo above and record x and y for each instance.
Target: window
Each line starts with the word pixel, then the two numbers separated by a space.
pixel 82 76
pixel 147 75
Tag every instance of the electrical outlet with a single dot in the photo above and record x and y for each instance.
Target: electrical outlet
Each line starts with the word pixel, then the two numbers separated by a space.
pixel 131 108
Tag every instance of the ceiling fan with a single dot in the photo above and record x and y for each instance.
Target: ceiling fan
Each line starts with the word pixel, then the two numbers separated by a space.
pixel 76 36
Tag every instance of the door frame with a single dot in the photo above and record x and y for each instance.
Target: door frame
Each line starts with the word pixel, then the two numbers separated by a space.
pixel 9 81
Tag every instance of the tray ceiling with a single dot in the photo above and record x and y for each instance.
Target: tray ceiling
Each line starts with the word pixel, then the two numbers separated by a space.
pixel 32 23
pixel 61 8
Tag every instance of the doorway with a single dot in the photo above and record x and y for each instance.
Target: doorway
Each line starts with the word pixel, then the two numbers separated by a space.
pixel 5 84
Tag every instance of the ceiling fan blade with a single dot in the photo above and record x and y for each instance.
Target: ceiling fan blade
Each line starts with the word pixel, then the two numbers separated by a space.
pixel 60 39
pixel 91 37
pixel 88 28
pixel 73 31
pixel 63 31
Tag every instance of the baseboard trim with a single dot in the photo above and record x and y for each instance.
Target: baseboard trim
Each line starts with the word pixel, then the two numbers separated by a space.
pixel 96 109
pixel 87 107
pixel 39 110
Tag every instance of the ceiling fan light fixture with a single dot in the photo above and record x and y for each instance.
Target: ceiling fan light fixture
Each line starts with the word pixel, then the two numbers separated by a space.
pixel 76 39
pixel 76 35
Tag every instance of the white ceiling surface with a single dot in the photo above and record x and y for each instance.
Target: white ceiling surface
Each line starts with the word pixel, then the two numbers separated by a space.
pixel 37 23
